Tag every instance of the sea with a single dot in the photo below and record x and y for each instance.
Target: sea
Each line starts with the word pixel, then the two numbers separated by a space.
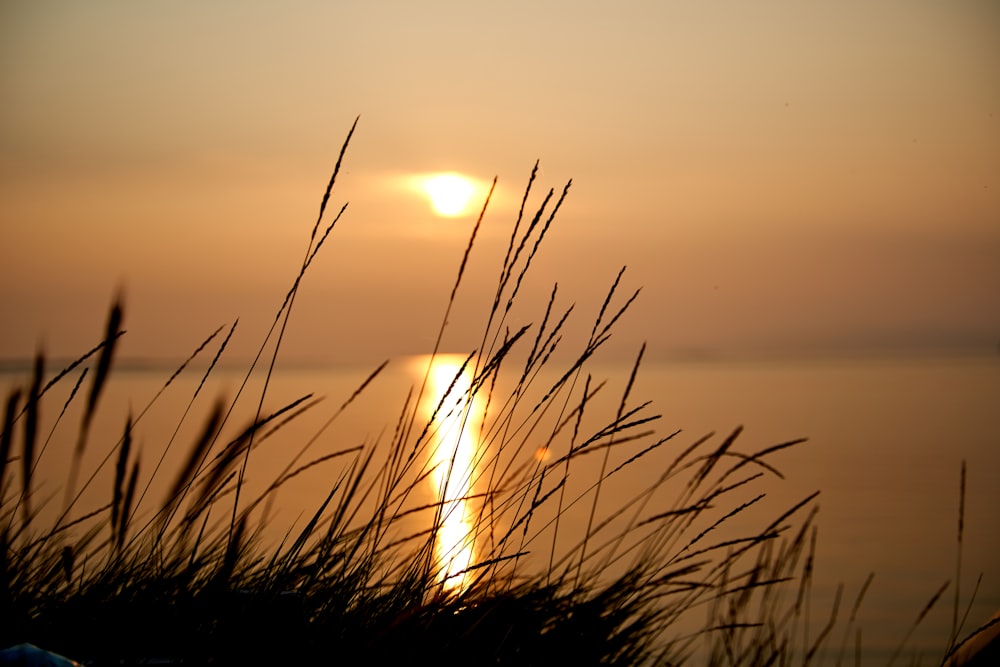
pixel 904 452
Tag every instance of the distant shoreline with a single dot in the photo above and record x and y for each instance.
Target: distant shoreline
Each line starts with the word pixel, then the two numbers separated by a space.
pixel 22 365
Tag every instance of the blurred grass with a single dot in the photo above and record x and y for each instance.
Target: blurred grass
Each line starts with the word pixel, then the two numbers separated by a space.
pixel 680 571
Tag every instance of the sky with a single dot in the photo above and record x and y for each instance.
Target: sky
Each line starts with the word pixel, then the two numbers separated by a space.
pixel 778 176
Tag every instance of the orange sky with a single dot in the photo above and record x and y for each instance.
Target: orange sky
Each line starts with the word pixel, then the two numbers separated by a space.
pixel 777 175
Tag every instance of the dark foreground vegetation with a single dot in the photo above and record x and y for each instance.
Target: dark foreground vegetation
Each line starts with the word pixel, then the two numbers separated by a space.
pixel 685 570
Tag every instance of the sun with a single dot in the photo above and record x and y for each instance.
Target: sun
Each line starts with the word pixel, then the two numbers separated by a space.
pixel 450 193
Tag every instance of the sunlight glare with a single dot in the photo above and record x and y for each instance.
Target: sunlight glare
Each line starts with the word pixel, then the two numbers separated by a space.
pixel 453 459
pixel 450 193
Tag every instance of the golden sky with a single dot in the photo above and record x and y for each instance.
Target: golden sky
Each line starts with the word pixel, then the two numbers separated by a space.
pixel 777 175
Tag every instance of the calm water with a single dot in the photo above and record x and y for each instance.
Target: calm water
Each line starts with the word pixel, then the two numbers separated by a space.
pixel 886 442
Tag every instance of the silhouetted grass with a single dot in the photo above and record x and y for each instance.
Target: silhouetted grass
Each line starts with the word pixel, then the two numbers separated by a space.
pixel 680 571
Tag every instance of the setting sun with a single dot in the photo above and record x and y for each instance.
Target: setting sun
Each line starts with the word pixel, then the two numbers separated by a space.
pixel 450 193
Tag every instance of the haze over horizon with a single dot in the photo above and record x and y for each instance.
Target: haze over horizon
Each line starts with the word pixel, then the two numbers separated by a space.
pixel 778 177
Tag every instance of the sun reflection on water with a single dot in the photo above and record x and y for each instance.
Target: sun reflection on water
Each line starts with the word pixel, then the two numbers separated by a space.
pixel 453 453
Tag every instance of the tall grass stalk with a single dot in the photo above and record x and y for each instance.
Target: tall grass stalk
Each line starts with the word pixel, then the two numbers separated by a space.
pixel 683 570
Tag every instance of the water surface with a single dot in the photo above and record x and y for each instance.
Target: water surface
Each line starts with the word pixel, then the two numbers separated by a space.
pixel 886 440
